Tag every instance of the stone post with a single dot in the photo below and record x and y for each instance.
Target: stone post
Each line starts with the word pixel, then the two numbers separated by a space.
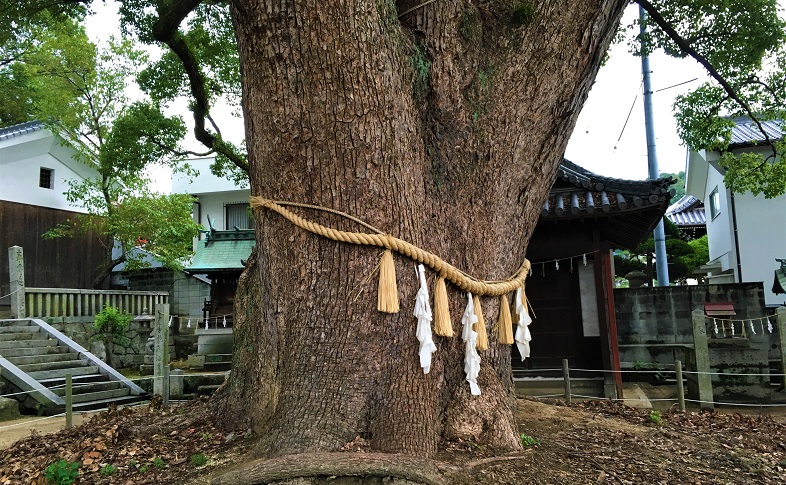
pixel 161 353
pixel 702 353
pixel 780 327
pixel 176 384
pixel 16 271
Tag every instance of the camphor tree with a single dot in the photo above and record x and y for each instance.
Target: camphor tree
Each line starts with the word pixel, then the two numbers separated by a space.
pixel 55 74
pixel 439 122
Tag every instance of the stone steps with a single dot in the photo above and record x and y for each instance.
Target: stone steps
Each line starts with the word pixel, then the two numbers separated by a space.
pixel 72 363
pixel 38 342
pixel 48 361
pixel 52 348
pixel 74 371
pixel 40 358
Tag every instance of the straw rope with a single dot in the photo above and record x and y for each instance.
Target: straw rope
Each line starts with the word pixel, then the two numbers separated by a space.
pixel 443 268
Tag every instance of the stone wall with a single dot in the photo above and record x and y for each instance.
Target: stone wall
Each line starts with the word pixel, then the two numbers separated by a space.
pixel 654 324
pixel 187 294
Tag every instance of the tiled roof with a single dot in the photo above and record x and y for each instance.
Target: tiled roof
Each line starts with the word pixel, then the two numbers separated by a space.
pixel 688 211
pixel 623 211
pixel 745 132
pixel 223 251
pixel 577 192
pixel 779 285
pixel 20 129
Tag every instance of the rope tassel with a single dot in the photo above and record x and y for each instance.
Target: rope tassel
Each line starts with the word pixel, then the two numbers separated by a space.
pixel 480 326
pixel 387 298
pixel 442 323
pixel 505 322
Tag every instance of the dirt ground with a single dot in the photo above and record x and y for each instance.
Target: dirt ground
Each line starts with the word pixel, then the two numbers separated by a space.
pixel 591 442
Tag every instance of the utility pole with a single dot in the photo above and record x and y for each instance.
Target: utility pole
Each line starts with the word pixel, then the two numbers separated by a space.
pixel 661 264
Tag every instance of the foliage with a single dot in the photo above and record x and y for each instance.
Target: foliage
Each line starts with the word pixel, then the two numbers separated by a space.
pixel 683 256
pixel 741 43
pixel 529 441
pixel 198 459
pixel 107 470
pixel 655 417
pixel 62 472
pixel 158 462
pixel 30 31
pixel 111 323
pixel 82 92
pixel 679 187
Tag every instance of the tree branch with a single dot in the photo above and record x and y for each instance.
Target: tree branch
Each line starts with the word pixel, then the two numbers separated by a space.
pixel 166 31
pixel 686 47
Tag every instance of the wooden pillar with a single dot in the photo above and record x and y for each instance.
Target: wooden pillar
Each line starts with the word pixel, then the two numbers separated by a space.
pixel 604 285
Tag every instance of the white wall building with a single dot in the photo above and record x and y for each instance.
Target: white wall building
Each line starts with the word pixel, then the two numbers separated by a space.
pixel 218 199
pixel 35 165
pixel 745 232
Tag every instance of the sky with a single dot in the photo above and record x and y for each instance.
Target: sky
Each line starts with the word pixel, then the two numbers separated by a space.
pixel 609 138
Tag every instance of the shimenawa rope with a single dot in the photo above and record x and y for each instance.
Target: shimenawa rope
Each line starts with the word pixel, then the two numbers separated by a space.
pixel 448 271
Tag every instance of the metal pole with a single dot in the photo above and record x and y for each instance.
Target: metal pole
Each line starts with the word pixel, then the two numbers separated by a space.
pixel 661 263
pixel 69 401
pixel 566 376
pixel 680 385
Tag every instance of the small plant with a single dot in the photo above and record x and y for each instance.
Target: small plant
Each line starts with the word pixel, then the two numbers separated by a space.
pixel 158 462
pixel 110 326
pixel 206 436
pixel 143 469
pixel 107 470
pixel 655 418
pixel 528 441
pixel 198 459
pixel 62 472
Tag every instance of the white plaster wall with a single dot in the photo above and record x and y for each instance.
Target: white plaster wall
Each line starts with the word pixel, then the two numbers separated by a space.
pixel 761 225
pixel 20 179
pixel 719 228
pixel 212 204
pixel 205 182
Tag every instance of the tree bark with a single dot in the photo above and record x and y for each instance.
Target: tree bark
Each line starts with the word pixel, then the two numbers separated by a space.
pixel 443 127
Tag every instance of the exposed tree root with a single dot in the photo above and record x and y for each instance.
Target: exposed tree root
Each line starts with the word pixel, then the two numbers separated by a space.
pixel 418 470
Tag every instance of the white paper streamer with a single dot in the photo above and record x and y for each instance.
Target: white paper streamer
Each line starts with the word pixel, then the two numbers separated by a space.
pixel 424 316
pixel 170 322
pixel 523 336
pixel 471 357
pixel 753 330
pixel 769 325
pixel 225 321
pixel 189 323
pixel 715 323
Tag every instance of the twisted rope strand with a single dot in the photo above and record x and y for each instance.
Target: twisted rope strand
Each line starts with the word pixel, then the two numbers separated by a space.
pixel 445 269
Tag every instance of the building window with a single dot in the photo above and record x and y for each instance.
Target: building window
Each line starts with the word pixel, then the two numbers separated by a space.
pixel 237 215
pixel 46 178
pixel 714 203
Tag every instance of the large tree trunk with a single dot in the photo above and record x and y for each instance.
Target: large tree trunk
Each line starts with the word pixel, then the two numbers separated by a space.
pixel 444 128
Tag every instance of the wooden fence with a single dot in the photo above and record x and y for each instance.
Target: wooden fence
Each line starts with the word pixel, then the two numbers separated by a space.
pixel 65 302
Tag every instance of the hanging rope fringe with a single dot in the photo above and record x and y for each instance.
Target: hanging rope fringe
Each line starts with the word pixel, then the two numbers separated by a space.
pixel 505 322
pixel 442 324
pixel 480 326
pixel 387 298
pixel 448 271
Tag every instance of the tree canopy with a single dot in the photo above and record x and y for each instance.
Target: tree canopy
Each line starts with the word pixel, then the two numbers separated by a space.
pixel 55 74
